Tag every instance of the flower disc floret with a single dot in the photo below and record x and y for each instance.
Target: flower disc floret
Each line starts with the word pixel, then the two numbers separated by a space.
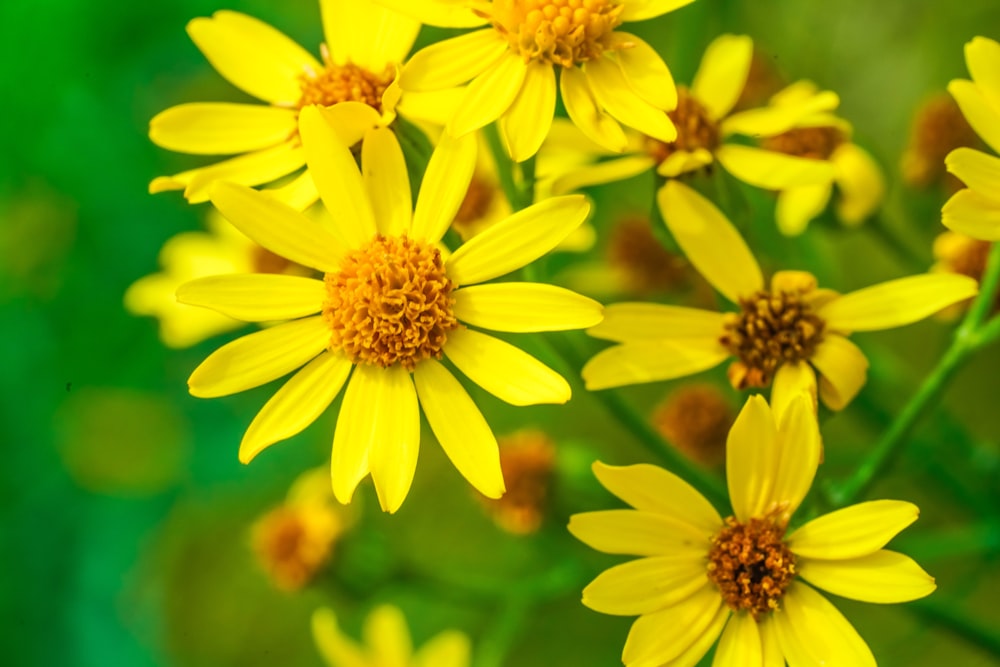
pixel 562 32
pixel 390 303
pixel 343 83
pixel 815 143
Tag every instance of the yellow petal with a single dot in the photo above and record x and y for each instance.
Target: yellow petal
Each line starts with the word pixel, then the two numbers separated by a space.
pixel 255 297
pixel 586 114
pixel 625 322
pixel 771 645
pixel 843 370
pixel 505 371
pixel 977 170
pixel 447 649
pixel 710 241
pixel 526 124
pixel 355 433
pixel 259 357
pixel 779 117
pixel 387 637
pixel 723 74
pixel 681 162
pixel 350 120
pixel 520 239
pixel 799 451
pixel 752 459
pixel 217 128
pixel 445 184
pixel 860 181
pixel 972 214
pixel 640 10
pixel 337 178
pixel 395 439
pixel 434 107
pixel 297 404
pixel 367 34
pixel 454 61
pixel 614 94
pixel 652 489
pixel 335 647
pixel 896 302
pixel 812 632
pixel 882 577
pixel 791 380
pixel 603 172
pixel 384 174
pixel 441 13
pixel 253 56
pixel 277 227
pixel 740 643
pixel 657 638
pixel 489 95
pixel 771 170
pixel 982 116
pixel 692 655
pixel 646 72
pixel 300 193
pixel 852 532
pixel 460 428
pixel 650 361
pixel 798 206
pixel 982 55
pixel 645 585
pixel 634 533
pixel 525 307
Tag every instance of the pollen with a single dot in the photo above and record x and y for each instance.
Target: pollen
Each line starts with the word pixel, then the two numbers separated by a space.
pixel 751 565
pixel 561 32
pixel 343 83
pixel 815 143
pixel 390 303
pixel 695 128
pixel 770 329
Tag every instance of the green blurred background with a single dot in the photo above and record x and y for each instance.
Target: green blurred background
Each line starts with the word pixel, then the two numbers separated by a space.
pixel 125 513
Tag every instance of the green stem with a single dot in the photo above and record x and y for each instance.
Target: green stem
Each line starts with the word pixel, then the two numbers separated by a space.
pixel 983 306
pixel 520 193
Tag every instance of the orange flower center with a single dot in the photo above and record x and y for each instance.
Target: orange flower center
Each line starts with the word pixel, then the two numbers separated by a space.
pixel 527 459
pixel 343 83
pixel 645 263
pixel 751 565
pixel 938 128
pixel 291 547
pixel 816 143
pixel 390 303
pixel 561 32
pixel 696 420
pixel 695 128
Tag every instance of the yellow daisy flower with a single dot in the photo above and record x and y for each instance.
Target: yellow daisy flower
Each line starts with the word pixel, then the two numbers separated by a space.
pixel 356 82
pixel 975 211
pixel 606 76
pixel 387 643
pixel 746 581
pixel 387 308
pixel 784 333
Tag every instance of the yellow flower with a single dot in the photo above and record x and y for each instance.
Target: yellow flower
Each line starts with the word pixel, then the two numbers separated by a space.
pixel 387 643
pixel 355 82
pixel 975 211
pixel 606 77
pixel 388 307
pixel 745 578
pixel 937 129
pixel 785 333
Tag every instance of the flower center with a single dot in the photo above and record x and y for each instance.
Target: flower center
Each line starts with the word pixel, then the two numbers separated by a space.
pixel 816 143
pixel 343 83
pixel 751 565
pixel 477 201
pixel 770 329
pixel 562 32
pixel 645 264
pixel 696 420
pixel 695 128
pixel 291 547
pixel 390 303
pixel 938 128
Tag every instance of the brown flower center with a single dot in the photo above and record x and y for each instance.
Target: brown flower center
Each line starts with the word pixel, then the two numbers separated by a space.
pixel 696 420
pixel 769 330
pixel 343 83
pixel 527 459
pixel 291 547
pixel 645 263
pixel 561 32
pixel 816 143
pixel 938 128
pixel 477 201
pixel 695 128
pixel 390 303
pixel 751 565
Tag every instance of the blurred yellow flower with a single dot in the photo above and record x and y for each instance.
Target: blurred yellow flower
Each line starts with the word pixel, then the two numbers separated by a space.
pixel 938 128
pixel 784 334
pixel 746 578
pixel 387 643
pixel 606 77
pixel 388 307
pixel 527 458
pixel 975 211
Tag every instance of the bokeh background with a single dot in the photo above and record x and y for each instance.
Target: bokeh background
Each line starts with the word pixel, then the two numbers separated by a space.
pixel 124 513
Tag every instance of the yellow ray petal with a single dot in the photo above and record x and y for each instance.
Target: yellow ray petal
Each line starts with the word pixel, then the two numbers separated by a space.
pixel 300 193
pixel 255 297
pixel 218 128
pixel 388 186
pixel 505 371
pixel 525 307
pixel 977 170
pixel 692 655
pixel 253 56
pixel 297 404
pixel 640 10
pixel 395 440
pixel 752 459
pixel 353 439
pixel 896 302
pixel 854 531
pixel 843 370
pixel 616 96
pixel 366 34
pixel 798 206
pixel 740 644
pixel 442 13
pixel 634 533
pixel 526 123
pixel 460 428
pixel 350 120
pixel 723 74
pixel 650 361
pixel 771 170
pixel 812 632
pixel 791 380
pixel 435 107
pixel 771 645
pixel 645 585
pixel 779 117
pixel 882 577
pixel 657 638
pixel 335 647
pixel 681 162
pixel 982 116
pixel 445 184
pixel 337 178
pixel 387 636
pixel 625 322
pixel 800 448
pixel 489 95
pixel 446 649
pixel 586 114
pixel 860 181
pixel 972 214
pixel 520 239
pixel 710 241
pixel 617 169
pixel 646 72
pixel 277 227
pixel 258 358
pixel 982 55
pixel 454 61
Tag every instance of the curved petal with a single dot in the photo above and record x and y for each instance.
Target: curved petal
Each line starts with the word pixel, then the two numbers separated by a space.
pixel 300 193
pixel 860 181
pixel 387 637
pixel 791 380
pixel 782 115
pixel 982 55
pixel 450 648
pixel 526 123
pixel 489 95
pixel 383 171
pixel 255 297
pixel 258 358
pixel 610 171
pixel 982 116
pixel 972 214
pixel 454 61
pixel 616 96
pixel 650 361
pixel 710 241
pixel 852 532
pixel 444 186
pixel 896 302
pixel 395 440
pixel 335 647
pixel 843 370
pixel 626 322
pixel 645 585
pixel 645 72
pixel 586 114
pixel 297 404
pixel 798 206
pixel 218 128
pixel 657 638
pixel 367 34
pixel 752 459
pixel 800 449
pixel 524 307
pixel 460 428
pixel 640 10
pixel 771 653
pixel 520 239
pixel 882 577
pixel 682 161
pixel 441 13
pixel 634 533
pixel 740 645
pixel 692 655
pixel 505 371
pixel 350 120
pixel 812 632
pixel 722 74
pixel 979 171
pixel 354 435
pixel 771 170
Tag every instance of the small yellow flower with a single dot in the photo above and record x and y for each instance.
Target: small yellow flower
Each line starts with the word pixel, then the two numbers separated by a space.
pixel 938 128
pixel 746 580
pixel 975 211
pixel 696 419
pixel 386 310
pixel 527 459
pixel 606 76
pixel 785 333
pixel 961 254
pixel 387 643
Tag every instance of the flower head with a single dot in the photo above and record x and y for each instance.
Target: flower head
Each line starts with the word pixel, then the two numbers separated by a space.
pixel 938 128
pixel 746 578
pixel 527 459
